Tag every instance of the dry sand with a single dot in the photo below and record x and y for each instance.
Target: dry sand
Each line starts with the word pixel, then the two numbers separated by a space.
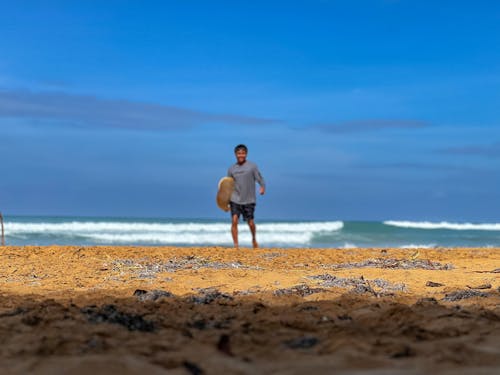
pixel 132 310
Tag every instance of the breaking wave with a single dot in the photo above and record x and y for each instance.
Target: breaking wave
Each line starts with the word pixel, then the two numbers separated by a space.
pixel 443 225
pixel 185 233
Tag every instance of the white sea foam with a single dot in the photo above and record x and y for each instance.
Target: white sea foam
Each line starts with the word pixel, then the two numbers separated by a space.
pixel 216 233
pixel 413 246
pixel 194 239
pixel 98 227
pixel 348 245
pixel 92 227
pixel 443 225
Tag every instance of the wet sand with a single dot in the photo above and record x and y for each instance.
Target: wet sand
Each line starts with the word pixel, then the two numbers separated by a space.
pixel 131 310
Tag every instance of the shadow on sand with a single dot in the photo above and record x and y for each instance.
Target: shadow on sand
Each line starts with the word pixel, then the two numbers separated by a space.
pixel 212 332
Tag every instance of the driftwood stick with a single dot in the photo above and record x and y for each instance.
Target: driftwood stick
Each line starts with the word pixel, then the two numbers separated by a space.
pixel 3 234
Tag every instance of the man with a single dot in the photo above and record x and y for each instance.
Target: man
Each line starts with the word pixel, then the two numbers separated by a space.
pixel 243 200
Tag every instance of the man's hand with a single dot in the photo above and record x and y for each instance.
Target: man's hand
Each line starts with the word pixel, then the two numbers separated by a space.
pixel 262 190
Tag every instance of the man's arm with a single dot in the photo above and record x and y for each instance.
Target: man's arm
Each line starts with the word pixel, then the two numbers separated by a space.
pixel 258 177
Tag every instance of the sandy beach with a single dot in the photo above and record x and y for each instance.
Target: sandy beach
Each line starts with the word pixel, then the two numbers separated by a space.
pixel 130 310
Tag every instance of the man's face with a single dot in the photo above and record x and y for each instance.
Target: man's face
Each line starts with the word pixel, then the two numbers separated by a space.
pixel 241 156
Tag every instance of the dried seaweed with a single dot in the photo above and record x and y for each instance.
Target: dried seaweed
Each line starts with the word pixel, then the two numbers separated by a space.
pixel 394 263
pixel 302 290
pixel 464 294
pixel 359 285
pixel 274 255
pixel 145 269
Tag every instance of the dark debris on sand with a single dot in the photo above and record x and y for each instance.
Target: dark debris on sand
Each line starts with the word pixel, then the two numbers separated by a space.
pixel 192 368
pixel 224 345
pixel 111 314
pixel 205 296
pixel 14 312
pixel 209 295
pixel 394 263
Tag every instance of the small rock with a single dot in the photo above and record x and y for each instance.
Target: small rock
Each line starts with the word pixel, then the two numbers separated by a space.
pixel 302 342
pixel 144 295
pixel 200 324
pixel 224 345
pixel 432 284
pixel 192 368
pixel 482 286
pixel 257 307
pixel 406 351
pixel 344 317
pixel 31 320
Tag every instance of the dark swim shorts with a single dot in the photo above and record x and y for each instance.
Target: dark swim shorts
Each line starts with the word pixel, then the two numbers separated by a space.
pixel 246 210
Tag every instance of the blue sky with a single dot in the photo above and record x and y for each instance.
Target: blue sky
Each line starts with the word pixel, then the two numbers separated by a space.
pixel 361 110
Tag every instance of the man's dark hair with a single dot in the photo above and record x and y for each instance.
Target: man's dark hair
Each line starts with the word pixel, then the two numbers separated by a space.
pixel 240 147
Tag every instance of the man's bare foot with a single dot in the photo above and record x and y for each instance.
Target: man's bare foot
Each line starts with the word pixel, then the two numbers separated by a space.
pixel 236 247
pixel 255 244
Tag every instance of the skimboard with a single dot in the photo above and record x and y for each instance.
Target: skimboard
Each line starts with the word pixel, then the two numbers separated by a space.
pixel 226 187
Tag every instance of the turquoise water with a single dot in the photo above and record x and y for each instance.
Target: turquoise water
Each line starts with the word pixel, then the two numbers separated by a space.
pixel 198 232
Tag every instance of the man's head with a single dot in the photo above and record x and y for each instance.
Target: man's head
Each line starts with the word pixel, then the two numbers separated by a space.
pixel 241 153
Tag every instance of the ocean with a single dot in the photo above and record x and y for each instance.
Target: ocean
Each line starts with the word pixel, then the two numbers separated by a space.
pixel 20 231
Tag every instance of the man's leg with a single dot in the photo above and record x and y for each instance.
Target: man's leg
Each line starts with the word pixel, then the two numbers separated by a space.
pixel 234 231
pixel 251 225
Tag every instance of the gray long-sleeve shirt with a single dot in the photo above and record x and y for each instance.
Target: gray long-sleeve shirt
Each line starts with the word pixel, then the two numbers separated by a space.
pixel 245 176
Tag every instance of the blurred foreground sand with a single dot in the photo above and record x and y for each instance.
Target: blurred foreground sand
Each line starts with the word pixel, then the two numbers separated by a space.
pixel 72 310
